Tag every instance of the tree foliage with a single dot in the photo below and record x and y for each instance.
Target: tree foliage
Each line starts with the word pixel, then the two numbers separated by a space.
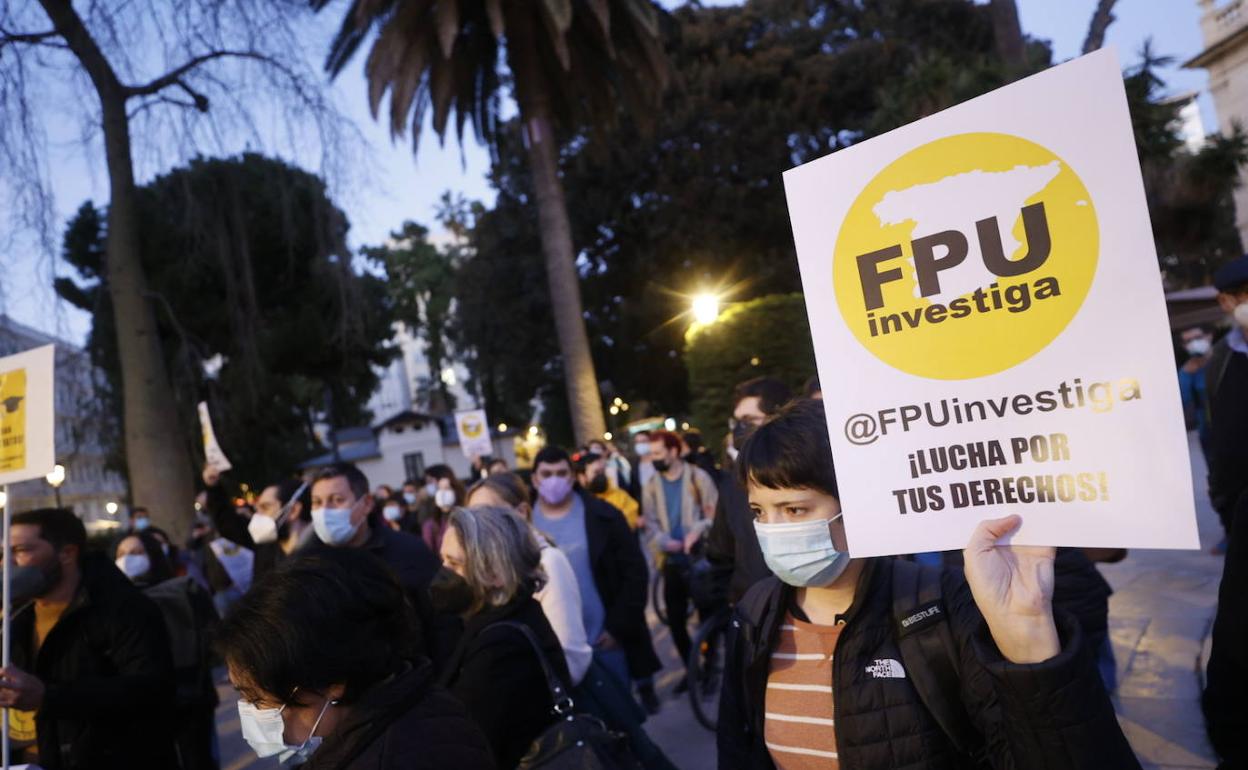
pixel 1189 193
pixel 246 258
pixel 765 336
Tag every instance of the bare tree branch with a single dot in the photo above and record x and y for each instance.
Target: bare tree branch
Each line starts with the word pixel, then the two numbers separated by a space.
pixel 1102 17
pixel 174 76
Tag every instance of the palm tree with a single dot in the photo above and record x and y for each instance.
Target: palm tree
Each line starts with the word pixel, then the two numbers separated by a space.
pixel 571 63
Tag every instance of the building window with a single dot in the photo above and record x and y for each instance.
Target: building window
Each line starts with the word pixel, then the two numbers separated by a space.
pixel 414 465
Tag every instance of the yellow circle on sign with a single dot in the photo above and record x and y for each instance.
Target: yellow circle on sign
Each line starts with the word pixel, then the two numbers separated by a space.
pixel 966 256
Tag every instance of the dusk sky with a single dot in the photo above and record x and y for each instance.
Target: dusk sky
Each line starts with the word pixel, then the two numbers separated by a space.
pixel 398 186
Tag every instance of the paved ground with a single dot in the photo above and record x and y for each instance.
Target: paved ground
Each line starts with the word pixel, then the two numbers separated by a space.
pixel 1160 617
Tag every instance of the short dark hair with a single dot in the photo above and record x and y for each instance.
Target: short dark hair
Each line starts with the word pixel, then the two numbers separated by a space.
pixel 771 393
pixel 136 510
pixel 354 476
pixel 440 471
pixel 287 488
pixel 59 526
pixel 551 455
pixel 790 451
pixel 581 460
pixel 812 387
pixel 693 439
pixel 338 616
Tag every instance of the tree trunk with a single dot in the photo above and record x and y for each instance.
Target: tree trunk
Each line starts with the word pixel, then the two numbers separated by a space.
pixel 1101 19
pixel 1008 33
pixel 156 454
pixel 584 400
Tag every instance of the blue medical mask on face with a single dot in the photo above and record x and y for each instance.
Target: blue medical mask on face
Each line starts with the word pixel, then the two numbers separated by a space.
pixel 333 525
pixel 802 553
pixel 142 524
pixel 264 730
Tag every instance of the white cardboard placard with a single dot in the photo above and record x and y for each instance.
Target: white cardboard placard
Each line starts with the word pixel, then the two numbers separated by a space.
pixel 989 324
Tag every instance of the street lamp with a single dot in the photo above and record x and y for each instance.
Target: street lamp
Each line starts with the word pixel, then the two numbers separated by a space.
pixel 56 478
pixel 705 308
pixel 111 507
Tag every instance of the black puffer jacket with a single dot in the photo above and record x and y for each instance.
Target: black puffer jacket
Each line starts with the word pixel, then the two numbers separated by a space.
pixel 1047 716
pixel 408 723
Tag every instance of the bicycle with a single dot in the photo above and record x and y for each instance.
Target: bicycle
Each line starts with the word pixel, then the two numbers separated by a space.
pixel 707 657
pixel 657 600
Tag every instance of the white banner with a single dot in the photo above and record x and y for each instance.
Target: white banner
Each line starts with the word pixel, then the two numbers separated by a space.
pixel 474 433
pixel 989 324
pixel 27 415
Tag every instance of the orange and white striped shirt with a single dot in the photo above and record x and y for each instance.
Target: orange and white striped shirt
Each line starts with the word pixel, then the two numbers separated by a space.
pixel 799 722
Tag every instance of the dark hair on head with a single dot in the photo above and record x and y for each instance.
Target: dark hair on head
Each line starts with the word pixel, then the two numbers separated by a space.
pixel 59 526
pixel 693 439
pixel 667 438
pixel 287 488
pixel 770 392
pixel 136 510
pixel 337 616
pixel 581 460
pixel 509 487
pixel 551 455
pixel 812 387
pixel 160 570
pixel 790 451
pixel 439 471
pixel 354 476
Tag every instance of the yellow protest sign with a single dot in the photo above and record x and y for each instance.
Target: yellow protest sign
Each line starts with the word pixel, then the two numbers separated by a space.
pixel 12 420
pixel 27 449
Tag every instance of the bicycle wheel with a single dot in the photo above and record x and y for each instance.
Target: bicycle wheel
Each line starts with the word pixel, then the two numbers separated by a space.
pixel 707 656
pixel 656 596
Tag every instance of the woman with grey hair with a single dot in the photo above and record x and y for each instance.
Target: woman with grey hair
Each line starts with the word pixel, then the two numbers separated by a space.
pixel 492 568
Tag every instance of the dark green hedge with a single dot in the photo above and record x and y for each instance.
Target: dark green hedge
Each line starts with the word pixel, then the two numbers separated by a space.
pixel 765 336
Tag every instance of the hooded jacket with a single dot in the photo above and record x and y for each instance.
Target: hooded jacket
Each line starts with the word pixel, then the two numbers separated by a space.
pixel 1042 716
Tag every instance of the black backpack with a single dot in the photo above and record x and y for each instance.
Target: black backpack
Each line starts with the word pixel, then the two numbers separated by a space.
pixel 929 654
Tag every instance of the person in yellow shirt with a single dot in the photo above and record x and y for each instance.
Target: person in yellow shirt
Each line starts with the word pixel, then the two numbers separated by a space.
pixel 591 473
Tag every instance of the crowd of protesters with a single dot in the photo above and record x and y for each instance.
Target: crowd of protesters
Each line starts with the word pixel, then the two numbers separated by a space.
pixel 502 622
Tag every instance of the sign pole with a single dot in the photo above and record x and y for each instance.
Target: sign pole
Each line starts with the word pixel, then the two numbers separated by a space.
pixel 5 643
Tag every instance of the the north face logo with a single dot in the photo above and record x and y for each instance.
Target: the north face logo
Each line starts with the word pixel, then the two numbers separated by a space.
pixel 887 668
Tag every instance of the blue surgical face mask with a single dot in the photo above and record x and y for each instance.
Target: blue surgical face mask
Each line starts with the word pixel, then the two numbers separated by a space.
pixel 802 553
pixel 333 525
pixel 142 524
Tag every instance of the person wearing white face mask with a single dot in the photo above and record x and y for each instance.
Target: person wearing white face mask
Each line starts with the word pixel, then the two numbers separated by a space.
pixel 448 493
pixel 190 620
pixel 348 692
pixel 820 673
pixel 279 527
pixel 1197 344
pixel 343 517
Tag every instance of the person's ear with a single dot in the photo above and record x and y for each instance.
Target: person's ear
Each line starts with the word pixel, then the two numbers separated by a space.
pixel 68 555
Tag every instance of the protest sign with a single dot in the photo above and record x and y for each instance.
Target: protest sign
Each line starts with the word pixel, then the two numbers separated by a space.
pixel 27 421
pixel 986 306
pixel 213 456
pixel 474 433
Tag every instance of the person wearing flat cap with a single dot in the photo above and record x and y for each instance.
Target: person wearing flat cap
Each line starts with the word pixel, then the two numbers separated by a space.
pixel 1224 704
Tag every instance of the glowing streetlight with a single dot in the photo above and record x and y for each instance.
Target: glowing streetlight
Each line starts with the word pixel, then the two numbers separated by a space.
pixel 705 308
pixel 607 436
pixel 111 508
pixel 502 427
pixel 669 423
pixel 618 401
pixel 614 410
pixel 533 430
pixel 56 478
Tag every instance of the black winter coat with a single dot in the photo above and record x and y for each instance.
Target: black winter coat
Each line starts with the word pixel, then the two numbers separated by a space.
pixel 1225 703
pixel 622 578
pixel 109 677
pixel 732 539
pixel 407 723
pixel 495 673
pixel 1045 716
